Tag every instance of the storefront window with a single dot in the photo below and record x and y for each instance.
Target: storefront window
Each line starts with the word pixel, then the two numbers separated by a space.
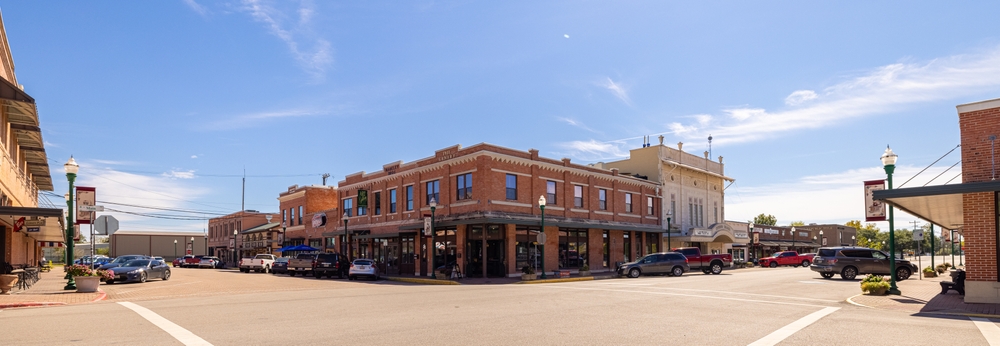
pixel 526 248
pixel 628 247
pixel 607 254
pixel 651 242
pixel 572 248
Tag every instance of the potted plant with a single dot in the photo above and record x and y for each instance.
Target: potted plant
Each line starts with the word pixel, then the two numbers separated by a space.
pixel 528 273
pixel 7 280
pixel 941 268
pixel 585 270
pixel 87 280
pixel 930 272
pixel 874 285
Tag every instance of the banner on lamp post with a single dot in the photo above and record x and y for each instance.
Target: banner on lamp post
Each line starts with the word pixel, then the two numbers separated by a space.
pixel 86 197
pixel 874 210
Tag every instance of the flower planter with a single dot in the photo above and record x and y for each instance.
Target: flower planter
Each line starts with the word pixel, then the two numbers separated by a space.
pixel 441 276
pixel 877 291
pixel 87 284
pixel 7 282
pixel 528 277
pixel 585 273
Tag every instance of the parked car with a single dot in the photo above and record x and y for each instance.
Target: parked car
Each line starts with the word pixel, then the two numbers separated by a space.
pixel 786 258
pixel 194 261
pixel 363 267
pixel 330 264
pixel 98 260
pixel 179 261
pixel 158 258
pixel 706 263
pixel 259 263
pixel 210 262
pixel 140 270
pixel 280 265
pixel 120 260
pixel 850 261
pixel 302 264
pixel 669 263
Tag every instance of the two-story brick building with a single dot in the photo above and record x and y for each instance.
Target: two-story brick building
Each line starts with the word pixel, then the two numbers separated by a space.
pixel 305 213
pixel 484 201
pixel 224 239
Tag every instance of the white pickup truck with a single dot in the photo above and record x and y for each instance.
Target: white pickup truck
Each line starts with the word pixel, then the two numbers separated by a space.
pixel 259 263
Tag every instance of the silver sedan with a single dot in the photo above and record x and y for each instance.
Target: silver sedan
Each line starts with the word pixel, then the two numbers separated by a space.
pixel 363 267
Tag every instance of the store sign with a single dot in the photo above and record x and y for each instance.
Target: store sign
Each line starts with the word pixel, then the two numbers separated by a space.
pixel 742 235
pixel 771 231
pixel 874 210
pixel 319 220
pixel 703 233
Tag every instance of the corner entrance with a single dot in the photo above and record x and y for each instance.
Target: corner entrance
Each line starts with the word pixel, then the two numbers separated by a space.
pixel 486 252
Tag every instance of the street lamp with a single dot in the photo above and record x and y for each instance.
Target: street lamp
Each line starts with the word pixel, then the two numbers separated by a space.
pixel 541 205
pixel 433 204
pixel 192 246
pixel 889 163
pixel 752 239
pixel 235 263
pixel 820 238
pixel 669 215
pixel 793 238
pixel 175 248
pixel 854 241
pixel 71 169
pixel 344 245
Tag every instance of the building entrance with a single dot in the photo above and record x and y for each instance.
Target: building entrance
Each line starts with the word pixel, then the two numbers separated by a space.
pixel 486 252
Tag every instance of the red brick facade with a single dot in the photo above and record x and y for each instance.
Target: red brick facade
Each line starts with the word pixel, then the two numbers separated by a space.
pixel 978 122
pixel 298 205
pixel 220 230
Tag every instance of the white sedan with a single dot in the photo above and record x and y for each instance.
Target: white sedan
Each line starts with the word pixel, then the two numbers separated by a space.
pixel 363 267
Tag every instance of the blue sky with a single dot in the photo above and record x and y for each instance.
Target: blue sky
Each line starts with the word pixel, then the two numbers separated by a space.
pixel 165 103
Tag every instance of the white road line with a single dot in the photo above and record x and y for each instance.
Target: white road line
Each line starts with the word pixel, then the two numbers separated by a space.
pixel 741 293
pixel 183 335
pixel 682 295
pixel 781 334
pixel 989 330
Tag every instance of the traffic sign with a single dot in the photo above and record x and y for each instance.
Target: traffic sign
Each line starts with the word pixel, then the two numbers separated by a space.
pixel 106 225
pixel 541 237
pixel 91 208
pixel 918 235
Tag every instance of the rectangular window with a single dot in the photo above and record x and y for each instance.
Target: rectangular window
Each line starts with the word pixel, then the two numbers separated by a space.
pixel 300 214
pixel 293 216
pixel 673 207
pixel 716 212
pixel 409 197
pixel 649 205
pixel 392 201
pixel 602 199
pixel 511 187
pixel 578 196
pixel 550 192
pixel 284 217
pixel 463 183
pixel 378 203
pixel 348 206
pixel 572 248
pixel 628 202
pixel 433 191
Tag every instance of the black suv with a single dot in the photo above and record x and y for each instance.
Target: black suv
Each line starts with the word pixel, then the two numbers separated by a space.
pixel 330 264
pixel 850 261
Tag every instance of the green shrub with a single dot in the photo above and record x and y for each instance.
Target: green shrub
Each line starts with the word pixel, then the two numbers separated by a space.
pixel 874 283
pixel 941 268
pixel 527 270
pixel 585 268
pixel 929 272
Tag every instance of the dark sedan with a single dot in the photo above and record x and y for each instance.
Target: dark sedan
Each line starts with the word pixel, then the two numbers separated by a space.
pixel 280 265
pixel 140 271
pixel 122 260
pixel 670 263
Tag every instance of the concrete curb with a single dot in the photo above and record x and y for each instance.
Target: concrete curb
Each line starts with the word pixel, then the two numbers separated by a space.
pixel 422 281
pixel 29 304
pixel 966 314
pixel 547 281
pixel 851 300
pixel 100 297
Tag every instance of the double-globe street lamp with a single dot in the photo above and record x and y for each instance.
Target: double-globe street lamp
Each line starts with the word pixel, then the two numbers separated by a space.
pixel 889 163
pixel 541 205
pixel 71 169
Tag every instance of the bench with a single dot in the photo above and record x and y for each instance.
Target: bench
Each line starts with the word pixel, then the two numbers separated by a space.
pixel 957 285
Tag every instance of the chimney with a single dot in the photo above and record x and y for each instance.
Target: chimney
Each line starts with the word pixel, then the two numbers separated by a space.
pixel 565 161
pixel 533 153
pixel 614 171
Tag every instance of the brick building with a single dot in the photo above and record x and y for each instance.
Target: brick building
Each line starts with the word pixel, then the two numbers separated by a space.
pixel 487 219
pixel 805 239
pixel 971 208
pixel 305 213
pixel 222 242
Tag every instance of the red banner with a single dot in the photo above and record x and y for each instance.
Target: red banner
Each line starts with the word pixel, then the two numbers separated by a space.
pixel 874 210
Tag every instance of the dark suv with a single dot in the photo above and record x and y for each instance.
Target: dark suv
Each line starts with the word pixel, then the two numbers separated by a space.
pixel 669 263
pixel 850 261
pixel 330 264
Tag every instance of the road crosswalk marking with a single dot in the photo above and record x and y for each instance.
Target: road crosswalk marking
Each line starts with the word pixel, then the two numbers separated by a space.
pixel 989 330
pixel 781 334
pixel 183 335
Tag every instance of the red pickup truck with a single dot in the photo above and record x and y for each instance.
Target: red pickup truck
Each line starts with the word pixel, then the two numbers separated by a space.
pixel 786 258
pixel 707 263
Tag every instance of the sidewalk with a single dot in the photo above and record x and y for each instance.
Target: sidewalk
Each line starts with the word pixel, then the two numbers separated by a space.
pixel 48 291
pixel 923 297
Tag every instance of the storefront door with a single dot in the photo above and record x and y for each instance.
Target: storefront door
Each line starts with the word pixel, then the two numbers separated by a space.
pixel 474 252
pixel 407 255
pixel 496 264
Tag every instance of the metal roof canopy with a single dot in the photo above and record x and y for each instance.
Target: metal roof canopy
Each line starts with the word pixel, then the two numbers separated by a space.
pixel 261 228
pixel 23 116
pixel 941 205
pixel 529 220
pixel 53 230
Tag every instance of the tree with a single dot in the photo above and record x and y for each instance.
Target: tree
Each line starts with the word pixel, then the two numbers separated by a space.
pixel 867 235
pixel 762 219
pixel 798 223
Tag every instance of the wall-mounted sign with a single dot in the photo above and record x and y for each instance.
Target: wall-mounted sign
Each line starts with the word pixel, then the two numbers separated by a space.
pixel 703 233
pixel 34 229
pixel 874 210
pixel 742 235
pixel 319 220
pixel 770 231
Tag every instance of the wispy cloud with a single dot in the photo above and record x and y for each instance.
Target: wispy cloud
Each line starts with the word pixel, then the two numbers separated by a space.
pixel 174 174
pixel 315 59
pixel 578 124
pixel 201 10
pixel 884 89
pixel 254 119
pixel 618 90
pixel 592 150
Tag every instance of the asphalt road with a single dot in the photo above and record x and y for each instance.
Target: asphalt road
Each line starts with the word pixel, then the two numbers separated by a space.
pixel 785 306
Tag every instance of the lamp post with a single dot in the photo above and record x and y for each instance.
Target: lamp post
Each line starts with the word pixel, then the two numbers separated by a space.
pixel 71 169
pixel 952 248
pixel 541 205
pixel 854 241
pixel 669 216
pixel 175 248
pixel 793 238
pixel 344 245
pixel 821 238
pixel 752 239
pixel 889 163
pixel 192 246
pixel 433 204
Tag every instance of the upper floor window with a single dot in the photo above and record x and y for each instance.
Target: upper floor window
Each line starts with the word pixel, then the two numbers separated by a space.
pixel 602 199
pixel 392 201
pixel 292 211
pixel 628 202
pixel 463 182
pixel 378 203
pixel 300 214
pixel 649 205
pixel 578 196
pixel 284 216
pixel 511 187
pixel 550 191
pixel 348 206
pixel 433 191
pixel 409 197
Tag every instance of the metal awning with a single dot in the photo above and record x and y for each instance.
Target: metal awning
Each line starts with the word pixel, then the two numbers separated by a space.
pixel 261 228
pixel 941 205
pixel 51 222
pixel 380 235
pixel 23 116
pixel 485 217
pixel 769 243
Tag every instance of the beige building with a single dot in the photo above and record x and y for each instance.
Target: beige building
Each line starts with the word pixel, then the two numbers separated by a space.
pixel 168 245
pixel 692 190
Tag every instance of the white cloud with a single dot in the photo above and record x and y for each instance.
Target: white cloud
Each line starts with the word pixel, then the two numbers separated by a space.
pixel 577 124
pixel 316 60
pixel 800 96
pixel 254 119
pixel 179 174
pixel 618 90
pixel 566 35
pixel 201 10
pixel 194 156
pixel 592 150
pixel 884 89
pixel 827 198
